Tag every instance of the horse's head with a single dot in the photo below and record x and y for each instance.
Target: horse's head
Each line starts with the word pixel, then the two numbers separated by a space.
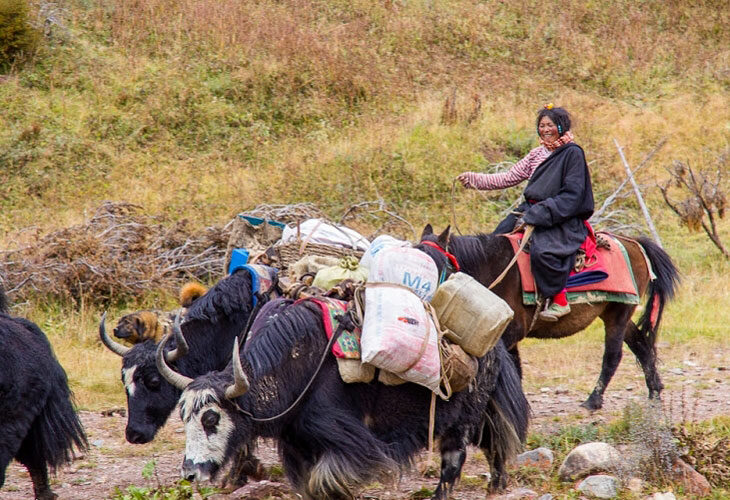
pixel 437 247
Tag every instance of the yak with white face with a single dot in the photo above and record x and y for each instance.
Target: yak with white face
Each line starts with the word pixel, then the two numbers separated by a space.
pixel 200 344
pixel 339 436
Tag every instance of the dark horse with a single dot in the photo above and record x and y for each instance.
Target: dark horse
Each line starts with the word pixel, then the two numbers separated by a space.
pixel 485 256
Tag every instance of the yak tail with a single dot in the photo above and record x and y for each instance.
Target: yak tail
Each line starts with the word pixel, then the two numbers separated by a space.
pixel 661 290
pixel 57 430
pixel 508 412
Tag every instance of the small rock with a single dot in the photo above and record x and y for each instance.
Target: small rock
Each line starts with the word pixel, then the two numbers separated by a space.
pixel 676 371
pixel 546 496
pixel 662 496
pixel 179 430
pixel 98 443
pixel 635 484
pixel 587 459
pixel 629 387
pixel 545 390
pixel 541 458
pixel 261 490
pixel 518 494
pixel 600 486
pixel 561 390
pixel 690 363
pixel 693 481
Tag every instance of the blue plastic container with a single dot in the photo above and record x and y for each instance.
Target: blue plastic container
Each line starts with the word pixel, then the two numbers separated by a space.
pixel 239 258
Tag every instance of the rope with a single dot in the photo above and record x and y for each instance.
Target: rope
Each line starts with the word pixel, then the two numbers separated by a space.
pixel 332 340
pixel 528 232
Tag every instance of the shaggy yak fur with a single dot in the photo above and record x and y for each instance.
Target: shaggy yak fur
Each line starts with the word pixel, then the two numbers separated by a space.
pixel 154 324
pixel 211 324
pixel 341 436
pixel 38 424
pixel 485 256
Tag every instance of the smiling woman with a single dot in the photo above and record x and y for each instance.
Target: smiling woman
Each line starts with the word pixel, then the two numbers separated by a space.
pixel 558 200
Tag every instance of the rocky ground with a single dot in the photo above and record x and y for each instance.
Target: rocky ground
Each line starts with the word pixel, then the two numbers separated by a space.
pixel 693 392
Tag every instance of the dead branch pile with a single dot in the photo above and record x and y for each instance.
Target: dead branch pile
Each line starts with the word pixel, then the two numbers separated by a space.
pixel 118 254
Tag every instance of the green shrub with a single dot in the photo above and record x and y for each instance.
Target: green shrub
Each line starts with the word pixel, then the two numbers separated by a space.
pixel 17 37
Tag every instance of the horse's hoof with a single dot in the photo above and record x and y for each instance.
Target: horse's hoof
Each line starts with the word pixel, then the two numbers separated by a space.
pixel 591 406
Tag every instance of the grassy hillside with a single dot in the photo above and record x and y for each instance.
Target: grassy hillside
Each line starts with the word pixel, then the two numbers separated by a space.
pixel 198 109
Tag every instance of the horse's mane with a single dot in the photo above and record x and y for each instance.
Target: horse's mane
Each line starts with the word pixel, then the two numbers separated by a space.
pixel 229 296
pixel 473 251
pixel 298 323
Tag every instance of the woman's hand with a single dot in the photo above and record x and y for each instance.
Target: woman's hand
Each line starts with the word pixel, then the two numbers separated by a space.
pixel 464 179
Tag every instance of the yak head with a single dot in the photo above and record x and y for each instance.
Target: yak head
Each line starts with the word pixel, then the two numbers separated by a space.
pixel 214 425
pixel 150 398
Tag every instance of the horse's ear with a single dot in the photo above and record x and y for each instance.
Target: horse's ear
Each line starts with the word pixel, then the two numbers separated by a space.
pixel 426 231
pixel 443 238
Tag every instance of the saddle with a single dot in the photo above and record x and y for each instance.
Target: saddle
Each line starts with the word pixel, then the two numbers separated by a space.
pixel 602 273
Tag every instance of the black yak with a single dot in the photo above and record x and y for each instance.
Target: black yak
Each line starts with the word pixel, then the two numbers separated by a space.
pixel 211 324
pixel 339 436
pixel 38 424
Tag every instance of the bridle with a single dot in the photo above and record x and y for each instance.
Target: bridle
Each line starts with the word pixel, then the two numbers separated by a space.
pixel 452 265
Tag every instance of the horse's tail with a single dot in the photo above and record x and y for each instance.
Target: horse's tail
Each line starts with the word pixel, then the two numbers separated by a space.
pixel 661 289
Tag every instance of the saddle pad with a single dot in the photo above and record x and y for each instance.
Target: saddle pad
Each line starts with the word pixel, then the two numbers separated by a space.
pixel 618 286
pixel 348 344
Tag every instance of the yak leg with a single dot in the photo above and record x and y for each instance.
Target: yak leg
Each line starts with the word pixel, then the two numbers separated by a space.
pixel 37 468
pixel 453 456
pixel 646 355
pixel 615 319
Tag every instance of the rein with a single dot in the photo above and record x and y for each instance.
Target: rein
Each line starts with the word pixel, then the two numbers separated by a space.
pixel 332 340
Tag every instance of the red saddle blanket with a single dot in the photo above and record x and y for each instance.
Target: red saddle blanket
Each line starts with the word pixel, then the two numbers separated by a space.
pixel 618 286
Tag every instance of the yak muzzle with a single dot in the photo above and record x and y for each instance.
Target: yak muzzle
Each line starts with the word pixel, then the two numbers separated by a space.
pixel 198 471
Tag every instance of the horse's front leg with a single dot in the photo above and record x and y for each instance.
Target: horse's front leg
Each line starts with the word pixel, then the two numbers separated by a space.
pixel 611 358
pixel 453 456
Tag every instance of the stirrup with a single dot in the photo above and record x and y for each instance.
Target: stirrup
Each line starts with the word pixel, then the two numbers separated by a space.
pixel 554 312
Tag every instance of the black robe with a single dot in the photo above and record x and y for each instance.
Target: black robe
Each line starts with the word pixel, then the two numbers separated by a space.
pixel 559 199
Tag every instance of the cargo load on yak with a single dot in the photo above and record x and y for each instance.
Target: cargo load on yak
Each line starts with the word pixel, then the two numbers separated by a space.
pixel 409 329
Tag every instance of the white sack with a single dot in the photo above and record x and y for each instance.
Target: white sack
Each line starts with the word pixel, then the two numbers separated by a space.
pixel 380 243
pixel 319 231
pixel 396 323
pixel 405 266
pixel 393 332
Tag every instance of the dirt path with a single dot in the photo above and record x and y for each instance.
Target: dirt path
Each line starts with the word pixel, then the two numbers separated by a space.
pixel 693 392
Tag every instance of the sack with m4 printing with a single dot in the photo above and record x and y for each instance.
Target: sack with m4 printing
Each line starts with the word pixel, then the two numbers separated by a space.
pixel 398 335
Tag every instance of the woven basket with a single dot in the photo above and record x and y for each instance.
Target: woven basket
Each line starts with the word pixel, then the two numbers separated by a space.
pixel 289 253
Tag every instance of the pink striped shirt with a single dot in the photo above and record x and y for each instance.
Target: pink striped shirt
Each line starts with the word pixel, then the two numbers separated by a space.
pixel 522 170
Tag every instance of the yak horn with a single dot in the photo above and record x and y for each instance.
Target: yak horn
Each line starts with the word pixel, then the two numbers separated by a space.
pixel 176 379
pixel 240 381
pixel 182 346
pixel 113 346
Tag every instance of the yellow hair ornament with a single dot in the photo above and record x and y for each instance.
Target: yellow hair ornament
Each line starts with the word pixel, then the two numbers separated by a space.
pixel 549 105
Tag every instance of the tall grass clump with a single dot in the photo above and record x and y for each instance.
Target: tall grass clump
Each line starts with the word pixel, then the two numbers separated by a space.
pixel 18 39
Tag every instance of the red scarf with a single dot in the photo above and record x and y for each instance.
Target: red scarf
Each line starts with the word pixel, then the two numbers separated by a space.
pixel 564 139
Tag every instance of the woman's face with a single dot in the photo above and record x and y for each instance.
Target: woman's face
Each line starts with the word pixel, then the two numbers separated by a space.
pixel 547 130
